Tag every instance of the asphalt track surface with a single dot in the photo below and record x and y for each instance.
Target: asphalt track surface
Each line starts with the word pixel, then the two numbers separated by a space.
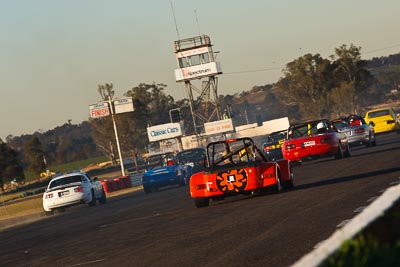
pixel 166 229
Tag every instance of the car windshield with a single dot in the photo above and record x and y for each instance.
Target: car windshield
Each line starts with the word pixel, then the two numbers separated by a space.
pixel 275 137
pixel 159 160
pixel 192 155
pixel 231 152
pixel 304 129
pixel 66 180
pixel 378 113
pixel 340 124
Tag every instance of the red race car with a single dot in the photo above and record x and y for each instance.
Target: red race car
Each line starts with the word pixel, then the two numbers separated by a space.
pixel 315 139
pixel 237 166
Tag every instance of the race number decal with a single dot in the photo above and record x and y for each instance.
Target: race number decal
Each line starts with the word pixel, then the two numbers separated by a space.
pixel 232 181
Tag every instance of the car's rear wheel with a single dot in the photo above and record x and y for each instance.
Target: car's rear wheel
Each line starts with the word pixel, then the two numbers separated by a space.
pixel 93 202
pixel 347 154
pixel 278 186
pixel 103 198
pixel 146 190
pixel 373 143
pixel 201 202
pixel 339 154
pixel 290 183
pixel 48 212
pixel 60 210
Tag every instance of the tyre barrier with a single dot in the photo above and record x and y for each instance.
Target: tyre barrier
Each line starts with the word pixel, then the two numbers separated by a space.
pixel 107 186
pixel 127 181
pixel 116 184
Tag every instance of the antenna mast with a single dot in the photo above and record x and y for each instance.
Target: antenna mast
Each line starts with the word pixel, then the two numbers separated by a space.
pixel 176 25
pixel 197 21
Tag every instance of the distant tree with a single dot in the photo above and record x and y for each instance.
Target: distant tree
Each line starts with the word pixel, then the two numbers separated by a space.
pixel 307 83
pixel 351 77
pixel 10 166
pixel 35 155
pixel 151 107
pixel 106 91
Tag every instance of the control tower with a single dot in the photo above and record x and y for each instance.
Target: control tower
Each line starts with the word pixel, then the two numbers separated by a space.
pixel 196 61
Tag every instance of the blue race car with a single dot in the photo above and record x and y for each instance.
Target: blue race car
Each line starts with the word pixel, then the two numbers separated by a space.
pixel 163 170
pixel 192 159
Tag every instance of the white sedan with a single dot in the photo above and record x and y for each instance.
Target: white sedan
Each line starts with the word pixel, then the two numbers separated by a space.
pixel 72 189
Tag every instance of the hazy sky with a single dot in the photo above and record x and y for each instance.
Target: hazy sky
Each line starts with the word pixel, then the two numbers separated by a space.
pixel 54 53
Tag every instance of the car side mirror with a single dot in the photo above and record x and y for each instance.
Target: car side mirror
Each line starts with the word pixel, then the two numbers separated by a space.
pixel 372 123
pixel 95 179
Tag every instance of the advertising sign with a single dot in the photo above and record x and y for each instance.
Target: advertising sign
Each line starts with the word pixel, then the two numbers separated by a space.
pixel 99 110
pixel 164 131
pixel 221 126
pixel 198 71
pixel 123 105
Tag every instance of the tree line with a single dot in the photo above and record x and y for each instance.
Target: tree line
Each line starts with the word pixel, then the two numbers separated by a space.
pixel 311 87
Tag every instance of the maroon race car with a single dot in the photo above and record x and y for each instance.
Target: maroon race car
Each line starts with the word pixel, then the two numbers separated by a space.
pixel 315 139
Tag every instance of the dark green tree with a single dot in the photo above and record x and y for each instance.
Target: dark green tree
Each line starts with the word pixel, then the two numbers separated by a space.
pixel 34 152
pixel 10 166
pixel 352 79
pixel 307 83
pixel 151 107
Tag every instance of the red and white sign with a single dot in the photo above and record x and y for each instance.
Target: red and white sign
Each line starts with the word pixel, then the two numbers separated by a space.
pixel 221 126
pixel 99 110
pixel 192 52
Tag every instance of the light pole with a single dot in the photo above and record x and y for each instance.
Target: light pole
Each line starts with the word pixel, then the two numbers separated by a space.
pixel 116 136
pixel 110 106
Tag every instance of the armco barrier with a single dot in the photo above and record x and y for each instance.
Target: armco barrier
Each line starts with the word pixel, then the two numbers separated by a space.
pixel 327 247
pixel 136 179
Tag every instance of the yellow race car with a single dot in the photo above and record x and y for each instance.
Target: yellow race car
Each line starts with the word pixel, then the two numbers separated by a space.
pixel 383 120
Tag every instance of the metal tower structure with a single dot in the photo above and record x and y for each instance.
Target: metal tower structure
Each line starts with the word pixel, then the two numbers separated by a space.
pixel 196 61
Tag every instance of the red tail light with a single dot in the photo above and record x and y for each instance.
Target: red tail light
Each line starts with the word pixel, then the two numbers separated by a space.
pixel 200 186
pixel 290 146
pixel 78 189
pixel 360 130
pixel 47 196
